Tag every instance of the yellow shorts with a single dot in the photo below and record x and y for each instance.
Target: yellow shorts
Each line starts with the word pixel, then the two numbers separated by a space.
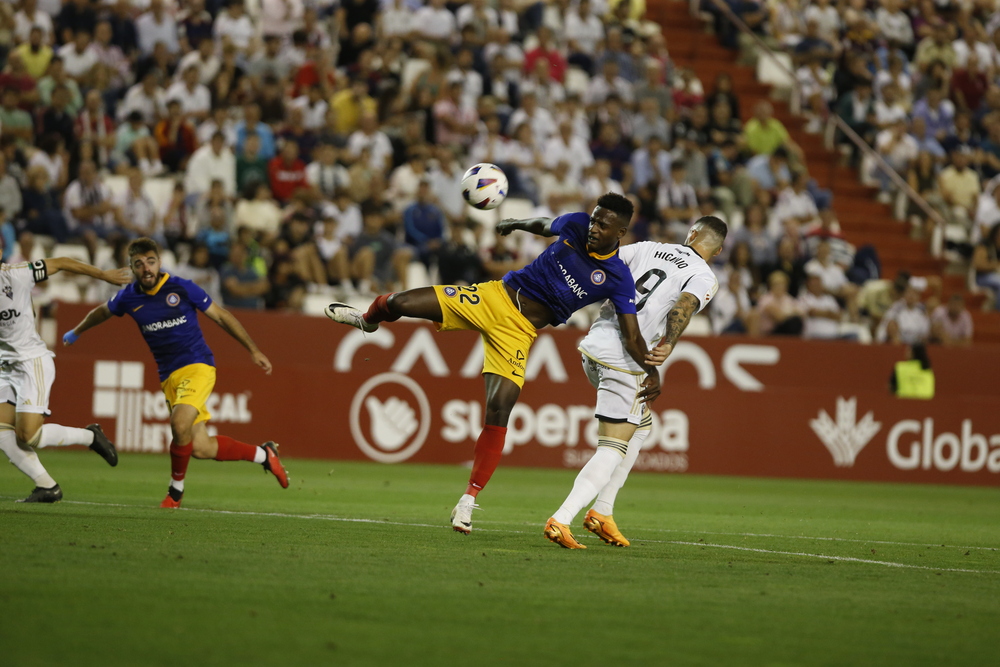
pixel 191 385
pixel 486 308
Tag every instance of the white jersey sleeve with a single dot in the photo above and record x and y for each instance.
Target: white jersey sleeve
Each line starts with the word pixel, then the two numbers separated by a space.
pixel 662 272
pixel 19 339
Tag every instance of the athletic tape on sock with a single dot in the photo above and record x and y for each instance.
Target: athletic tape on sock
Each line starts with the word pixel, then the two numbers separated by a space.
pixel 33 442
pixel 617 444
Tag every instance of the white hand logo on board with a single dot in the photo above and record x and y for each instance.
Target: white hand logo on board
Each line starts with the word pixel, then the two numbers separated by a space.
pixel 846 437
pixel 392 422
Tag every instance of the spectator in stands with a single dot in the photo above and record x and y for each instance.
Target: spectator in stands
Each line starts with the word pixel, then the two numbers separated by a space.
pixel 795 209
pixel 569 148
pixel 175 138
pixel 10 195
pixel 287 173
pixel 986 263
pixel 739 263
pixel 251 167
pixel 52 155
pixel 377 256
pixel 424 225
pixel 89 209
pixel 755 235
pixel 139 216
pixel 57 76
pixel 777 312
pixel 157 27
pixel 28 18
pixel 40 212
pixel 937 46
pixel 926 143
pixel 951 324
pixel 677 203
pixel 764 134
pixel 369 137
pixel 77 56
pixel 242 287
pixel 261 214
pixel 252 123
pixel 35 53
pixel 906 321
pixel 960 187
pixel 199 269
pixel 15 121
pixel 764 172
pixel 731 308
pixel 820 310
pixel 213 161
pixel 146 97
pixel 937 112
pixel 899 150
pixel 325 174
pixel 857 109
pixel 789 262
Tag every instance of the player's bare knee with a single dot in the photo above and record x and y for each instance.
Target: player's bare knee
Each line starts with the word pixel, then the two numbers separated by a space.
pixel 27 435
pixel 200 450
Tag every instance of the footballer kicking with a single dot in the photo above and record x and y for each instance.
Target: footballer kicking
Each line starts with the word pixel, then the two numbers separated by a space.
pixel 27 372
pixel 166 309
pixel 580 268
pixel 672 283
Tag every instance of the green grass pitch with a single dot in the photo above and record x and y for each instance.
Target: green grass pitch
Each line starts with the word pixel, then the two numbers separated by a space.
pixel 356 564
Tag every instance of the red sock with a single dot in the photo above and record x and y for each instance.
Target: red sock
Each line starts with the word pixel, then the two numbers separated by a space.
pixel 489 448
pixel 379 311
pixel 234 450
pixel 180 456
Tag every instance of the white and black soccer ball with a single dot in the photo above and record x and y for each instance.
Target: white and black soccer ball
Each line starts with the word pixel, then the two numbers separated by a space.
pixel 484 186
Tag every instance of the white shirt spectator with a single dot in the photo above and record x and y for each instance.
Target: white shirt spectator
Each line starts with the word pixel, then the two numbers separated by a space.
pixel 594 187
pixel 886 114
pixel 53 164
pixel 137 100
pixel 313 115
pixel 77 65
pixel 832 275
pixel 24 23
pixel 205 166
pixel 600 89
pixel 726 306
pixel 962 50
pixel 77 196
pixel 987 216
pixel 914 325
pixel 210 127
pixel 349 220
pixel 827 20
pixel 576 153
pixel 586 32
pixel 894 25
pixel 207 68
pixel 281 17
pixel 396 21
pixel 819 327
pixel 434 23
pixel 239 31
pixel 490 149
pixel 884 76
pixel 675 195
pixel 901 153
pixel 139 211
pixel 541 122
pixel 792 204
pixel 327 178
pixel 150 31
pixel 643 166
pixel 198 100
pixel 466 14
pixel 472 86
pixel 377 143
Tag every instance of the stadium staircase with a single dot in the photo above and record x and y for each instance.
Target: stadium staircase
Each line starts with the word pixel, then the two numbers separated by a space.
pixel 863 220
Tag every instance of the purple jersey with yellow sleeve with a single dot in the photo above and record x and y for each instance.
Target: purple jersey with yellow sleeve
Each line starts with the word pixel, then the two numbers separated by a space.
pixel 566 277
pixel 167 317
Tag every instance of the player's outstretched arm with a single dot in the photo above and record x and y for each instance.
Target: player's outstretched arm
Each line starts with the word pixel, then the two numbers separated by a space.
pixel 69 265
pixel 636 348
pixel 96 316
pixel 537 226
pixel 677 321
pixel 232 326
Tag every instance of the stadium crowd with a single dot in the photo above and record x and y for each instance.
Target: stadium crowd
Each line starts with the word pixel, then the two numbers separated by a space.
pixel 283 148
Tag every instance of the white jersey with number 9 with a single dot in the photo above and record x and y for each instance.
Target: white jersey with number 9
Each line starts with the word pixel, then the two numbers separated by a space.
pixel 662 272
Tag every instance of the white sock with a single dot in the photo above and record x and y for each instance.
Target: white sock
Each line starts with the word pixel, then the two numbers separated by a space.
pixel 25 459
pixel 260 456
pixel 606 498
pixel 466 499
pixel 591 479
pixel 177 484
pixel 54 435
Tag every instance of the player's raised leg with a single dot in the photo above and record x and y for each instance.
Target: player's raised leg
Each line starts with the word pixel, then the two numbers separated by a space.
pixel 501 395
pixel 421 303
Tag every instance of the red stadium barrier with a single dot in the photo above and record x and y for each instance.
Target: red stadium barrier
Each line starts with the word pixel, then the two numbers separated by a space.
pixel 776 408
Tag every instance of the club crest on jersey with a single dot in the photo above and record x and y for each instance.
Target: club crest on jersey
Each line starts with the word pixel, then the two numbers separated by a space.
pixel 8 292
pixel 598 277
pixel 450 291
pixel 173 299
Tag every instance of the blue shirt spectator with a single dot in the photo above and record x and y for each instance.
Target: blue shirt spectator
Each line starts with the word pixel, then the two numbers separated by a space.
pixel 423 223
pixel 251 122
pixel 767 170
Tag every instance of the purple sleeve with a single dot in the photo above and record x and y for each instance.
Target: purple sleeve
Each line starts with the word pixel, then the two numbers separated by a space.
pixel 199 297
pixel 116 304
pixel 573 226
pixel 624 297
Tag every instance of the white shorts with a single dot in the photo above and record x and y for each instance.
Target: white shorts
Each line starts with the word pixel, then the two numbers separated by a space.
pixel 27 384
pixel 617 393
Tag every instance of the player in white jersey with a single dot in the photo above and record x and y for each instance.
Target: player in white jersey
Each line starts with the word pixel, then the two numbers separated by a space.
pixel 672 283
pixel 27 372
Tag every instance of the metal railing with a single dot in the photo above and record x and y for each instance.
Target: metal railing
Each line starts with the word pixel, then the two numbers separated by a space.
pixel 832 117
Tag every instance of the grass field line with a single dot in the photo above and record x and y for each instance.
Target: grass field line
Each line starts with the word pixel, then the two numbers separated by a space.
pixel 848 559
pixel 330 517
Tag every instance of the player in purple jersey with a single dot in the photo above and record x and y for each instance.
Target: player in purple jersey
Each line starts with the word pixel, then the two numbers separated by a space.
pixel 580 268
pixel 166 310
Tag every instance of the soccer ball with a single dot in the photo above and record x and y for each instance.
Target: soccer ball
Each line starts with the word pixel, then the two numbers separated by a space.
pixel 484 186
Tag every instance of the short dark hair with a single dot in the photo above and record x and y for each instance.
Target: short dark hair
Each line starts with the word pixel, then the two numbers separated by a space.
pixel 714 225
pixel 617 204
pixel 141 246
